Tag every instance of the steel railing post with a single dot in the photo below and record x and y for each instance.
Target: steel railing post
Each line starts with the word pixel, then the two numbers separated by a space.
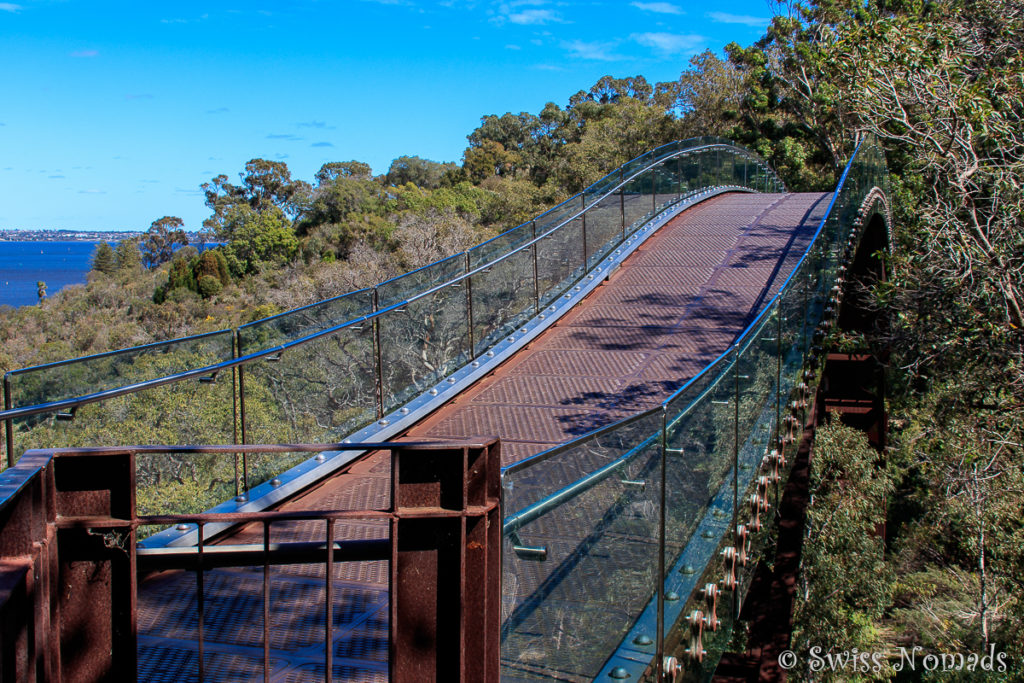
pixel 469 307
pixel 378 358
pixel 8 423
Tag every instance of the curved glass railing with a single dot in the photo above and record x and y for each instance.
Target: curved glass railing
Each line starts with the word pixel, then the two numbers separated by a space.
pixel 321 372
pixel 638 541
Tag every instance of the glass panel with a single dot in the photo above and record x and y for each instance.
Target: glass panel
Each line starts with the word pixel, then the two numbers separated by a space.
pixel 504 296
pixel 757 382
pixel 664 185
pixel 604 228
pixel 689 168
pixel 559 260
pixel 92 374
pixel 190 411
pixel 292 325
pixel 699 489
pixel 422 343
pixel 500 245
pixel 728 172
pixel 420 280
pixel 196 409
pixel 636 203
pixel 564 614
pixel 317 392
pixel 558 215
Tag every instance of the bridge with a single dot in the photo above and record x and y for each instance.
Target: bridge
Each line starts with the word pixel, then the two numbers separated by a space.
pixel 638 361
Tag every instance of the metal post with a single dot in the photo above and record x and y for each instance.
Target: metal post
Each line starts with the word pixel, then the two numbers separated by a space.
pixel 660 632
pixel 200 602
pixel 8 423
pixel 469 307
pixel 329 603
pixel 622 206
pixel 266 601
pixel 236 348
pixel 445 573
pixel 583 229
pixel 736 465
pixel 378 356
pixel 536 277
pixel 245 429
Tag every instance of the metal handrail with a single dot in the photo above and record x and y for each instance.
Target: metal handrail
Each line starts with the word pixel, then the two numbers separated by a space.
pixel 64 404
pixel 588 481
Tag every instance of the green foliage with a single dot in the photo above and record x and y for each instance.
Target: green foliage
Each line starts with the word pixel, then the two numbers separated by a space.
pixel 103 260
pixel 127 256
pixel 422 173
pixel 845 584
pixel 163 236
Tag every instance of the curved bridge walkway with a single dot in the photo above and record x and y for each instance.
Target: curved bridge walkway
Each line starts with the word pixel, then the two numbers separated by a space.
pixel 676 304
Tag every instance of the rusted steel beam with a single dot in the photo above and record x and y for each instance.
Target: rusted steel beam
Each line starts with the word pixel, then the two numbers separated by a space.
pixel 445 570
pixel 95 600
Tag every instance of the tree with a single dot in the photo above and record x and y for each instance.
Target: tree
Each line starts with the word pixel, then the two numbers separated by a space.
pixel 163 237
pixel 127 256
pixel 103 261
pixel 422 173
pixel 708 96
pixel 257 238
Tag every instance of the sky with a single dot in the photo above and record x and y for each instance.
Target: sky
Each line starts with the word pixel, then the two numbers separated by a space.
pixel 112 114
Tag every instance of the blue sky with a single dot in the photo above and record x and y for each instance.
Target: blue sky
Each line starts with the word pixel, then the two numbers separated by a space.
pixel 112 114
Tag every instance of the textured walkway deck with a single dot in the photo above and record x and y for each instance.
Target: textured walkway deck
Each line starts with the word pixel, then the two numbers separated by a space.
pixel 674 305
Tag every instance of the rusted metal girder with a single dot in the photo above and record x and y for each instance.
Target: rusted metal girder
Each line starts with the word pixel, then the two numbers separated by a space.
pixel 445 564
pixel 69 565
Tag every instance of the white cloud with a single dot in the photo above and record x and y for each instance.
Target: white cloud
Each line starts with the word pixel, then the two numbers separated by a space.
pixel 9 7
pixel 745 19
pixel 512 47
pixel 658 7
pixel 671 43
pixel 531 17
pixel 85 53
pixel 596 50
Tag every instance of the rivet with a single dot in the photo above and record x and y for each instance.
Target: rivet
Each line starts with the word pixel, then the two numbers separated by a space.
pixel 384 422
pixel 433 392
pixel 320 457
pixel 687 569
pixel 240 498
pixel 511 339
pixel 618 673
pixel 451 380
pixel 523 330
pixel 275 482
pixel 490 354
pixel 707 533
pixel 404 411
pixel 642 640
pixel 542 316
pixel 182 527
pixel 671 596
pixel 475 364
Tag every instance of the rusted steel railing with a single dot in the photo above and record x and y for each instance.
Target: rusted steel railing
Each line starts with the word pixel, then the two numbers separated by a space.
pixel 70 567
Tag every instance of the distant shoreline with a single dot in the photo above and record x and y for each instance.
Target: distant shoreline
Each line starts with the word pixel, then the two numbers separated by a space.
pixel 74 235
pixel 65 236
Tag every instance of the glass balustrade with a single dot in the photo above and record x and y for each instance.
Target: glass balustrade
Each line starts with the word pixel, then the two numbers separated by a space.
pixel 604 536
